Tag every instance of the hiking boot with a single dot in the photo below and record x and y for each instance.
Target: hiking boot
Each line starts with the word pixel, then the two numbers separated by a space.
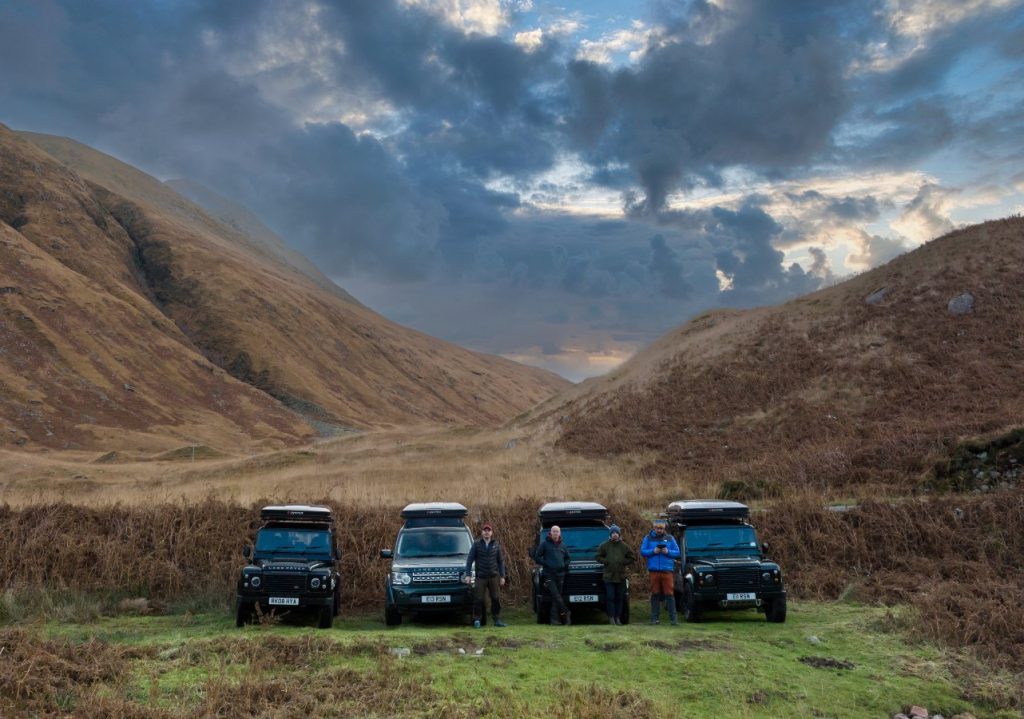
pixel 612 620
pixel 618 622
pixel 567 618
pixel 476 624
pixel 499 623
pixel 655 620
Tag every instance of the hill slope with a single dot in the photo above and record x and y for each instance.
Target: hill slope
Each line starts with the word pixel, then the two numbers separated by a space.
pixel 860 382
pixel 147 290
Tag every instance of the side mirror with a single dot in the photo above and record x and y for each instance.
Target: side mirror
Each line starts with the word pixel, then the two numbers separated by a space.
pixel 386 554
pixel 247 551
pixel 764 547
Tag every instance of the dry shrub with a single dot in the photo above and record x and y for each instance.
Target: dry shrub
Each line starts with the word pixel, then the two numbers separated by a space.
pixel 40 675
pixel 958 559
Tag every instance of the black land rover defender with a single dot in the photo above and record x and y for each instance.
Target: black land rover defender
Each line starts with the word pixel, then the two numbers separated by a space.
pixel 584 528
pixel 722 564
pixel 428 564
pixel 293 564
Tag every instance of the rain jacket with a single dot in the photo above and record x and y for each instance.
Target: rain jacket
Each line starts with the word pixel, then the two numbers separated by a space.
pixel 660 562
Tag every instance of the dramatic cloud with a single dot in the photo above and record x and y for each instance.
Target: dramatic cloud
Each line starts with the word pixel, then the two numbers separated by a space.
pixel 558 184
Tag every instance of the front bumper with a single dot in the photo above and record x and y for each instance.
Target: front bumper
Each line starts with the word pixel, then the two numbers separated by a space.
pixel 736 599
pixel 304 600
pixel 409 599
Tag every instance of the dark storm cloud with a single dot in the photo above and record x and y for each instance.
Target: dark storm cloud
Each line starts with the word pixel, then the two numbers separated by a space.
pixel 765 93
pixel 666 269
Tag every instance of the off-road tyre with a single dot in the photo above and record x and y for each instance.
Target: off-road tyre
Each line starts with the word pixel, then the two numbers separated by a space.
pixel 392 617
pixel 326 616
pixel 336 603
pixel 243 614
pixel 775 610
pixel 693 612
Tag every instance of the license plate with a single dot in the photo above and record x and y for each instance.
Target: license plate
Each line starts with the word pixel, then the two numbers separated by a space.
pixel 437 599
pixel 582 597
pixel 284 601
pixel 744 597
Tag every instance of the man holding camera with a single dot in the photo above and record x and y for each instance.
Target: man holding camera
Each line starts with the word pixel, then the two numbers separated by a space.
pixel 661 551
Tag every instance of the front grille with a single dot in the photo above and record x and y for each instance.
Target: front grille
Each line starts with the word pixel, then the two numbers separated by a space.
pixel 289 583
pixel 742 579
pixel 440 577
pixel 583 582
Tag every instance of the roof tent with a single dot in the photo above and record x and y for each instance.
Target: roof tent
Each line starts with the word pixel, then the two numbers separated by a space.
pixel 297 513
pixel 554 512
pixel 706 511
pixel 434 514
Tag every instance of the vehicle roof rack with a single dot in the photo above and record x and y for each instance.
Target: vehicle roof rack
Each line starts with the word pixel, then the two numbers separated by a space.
pixel 297 513
pixel 427 510
pixel 706 511
pixel 571 511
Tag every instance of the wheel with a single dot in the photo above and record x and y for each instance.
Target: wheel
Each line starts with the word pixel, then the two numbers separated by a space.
pixel 336 604
pixel 392 617
pixel 679 601
pixel 775 610
pixel 326 616
pixel 543 611
pixel 624 617
pixel 243 614
pixel 692 611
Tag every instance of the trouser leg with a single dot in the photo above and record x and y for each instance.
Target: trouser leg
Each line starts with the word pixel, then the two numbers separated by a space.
pixel 612 600
pixel 655 607
pixel 493 587
pixel 670 602
pixel 554 586
pixel 478 598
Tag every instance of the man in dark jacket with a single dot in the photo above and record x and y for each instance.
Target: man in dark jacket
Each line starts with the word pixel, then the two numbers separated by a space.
pixel 661 551
pixel 615 555
pixel 553 558
pixel 490 575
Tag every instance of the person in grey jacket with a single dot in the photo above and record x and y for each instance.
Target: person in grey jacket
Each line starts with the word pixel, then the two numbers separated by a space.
pixel 553 558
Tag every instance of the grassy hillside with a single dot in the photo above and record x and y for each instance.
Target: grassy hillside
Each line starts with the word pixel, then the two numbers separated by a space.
pixel 229 306
pixel 864 383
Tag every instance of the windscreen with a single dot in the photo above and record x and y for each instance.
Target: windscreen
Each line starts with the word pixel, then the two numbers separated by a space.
pixel 433 542
pixel 283 542
pixel 582 542
pixel 739 539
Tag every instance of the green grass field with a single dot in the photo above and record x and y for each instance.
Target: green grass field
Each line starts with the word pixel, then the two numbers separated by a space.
pixel 827 660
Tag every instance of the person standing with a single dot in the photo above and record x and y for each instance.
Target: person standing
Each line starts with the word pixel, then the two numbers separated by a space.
pixel 661 550
pixel 615 555
pixel 490 575
pixel 553 558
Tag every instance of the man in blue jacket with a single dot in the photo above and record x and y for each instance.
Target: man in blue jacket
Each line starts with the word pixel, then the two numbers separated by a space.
pixel 661 551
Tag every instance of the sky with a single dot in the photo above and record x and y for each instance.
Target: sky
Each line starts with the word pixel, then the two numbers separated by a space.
pixel 556 182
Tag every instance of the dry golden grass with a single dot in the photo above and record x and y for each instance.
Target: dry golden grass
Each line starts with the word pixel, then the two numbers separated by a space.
pixel 369 469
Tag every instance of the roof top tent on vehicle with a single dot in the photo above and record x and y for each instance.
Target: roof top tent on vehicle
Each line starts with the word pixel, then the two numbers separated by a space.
pixel 434 514
pixel 297 513
pixel 572 512
pixel 707 511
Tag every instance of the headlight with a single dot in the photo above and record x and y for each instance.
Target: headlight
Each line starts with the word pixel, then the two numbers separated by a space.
pixel 255 581
pixel 315 582
pixel 400 578
pixel 766 576
pixel 708 578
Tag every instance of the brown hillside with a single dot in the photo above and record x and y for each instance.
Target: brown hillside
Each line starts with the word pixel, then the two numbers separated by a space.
pixel 85 358
pixel 220 296
pixel 829 389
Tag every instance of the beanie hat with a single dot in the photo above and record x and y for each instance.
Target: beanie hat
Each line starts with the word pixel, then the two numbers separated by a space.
pixel 614 529
pixel 659 522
